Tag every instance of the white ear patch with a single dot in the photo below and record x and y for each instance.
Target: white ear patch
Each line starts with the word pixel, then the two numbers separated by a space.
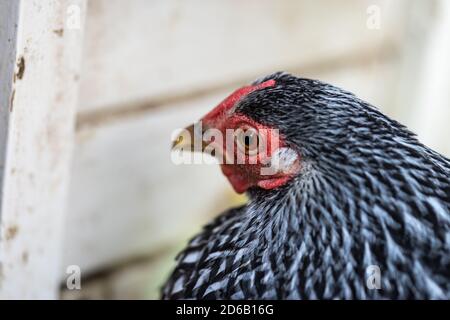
pixel 284 160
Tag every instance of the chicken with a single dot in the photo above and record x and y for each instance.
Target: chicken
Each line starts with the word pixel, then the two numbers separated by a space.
pixel 352 191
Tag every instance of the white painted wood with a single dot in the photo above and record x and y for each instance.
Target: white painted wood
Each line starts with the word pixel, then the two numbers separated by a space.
pixel 39 71
pixel 9 14
pixel 146 48
pixel 422 96
pixel 432 99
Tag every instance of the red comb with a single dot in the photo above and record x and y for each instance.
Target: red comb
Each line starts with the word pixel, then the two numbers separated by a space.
pixel 231 100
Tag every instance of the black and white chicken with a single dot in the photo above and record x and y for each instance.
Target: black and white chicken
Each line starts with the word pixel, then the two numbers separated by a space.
pixel 353 190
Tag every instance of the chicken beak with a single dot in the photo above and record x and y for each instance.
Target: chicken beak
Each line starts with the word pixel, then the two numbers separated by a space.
pixel 190 138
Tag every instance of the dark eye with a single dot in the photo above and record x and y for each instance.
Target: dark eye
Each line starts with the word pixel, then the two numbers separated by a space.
pixel 248 141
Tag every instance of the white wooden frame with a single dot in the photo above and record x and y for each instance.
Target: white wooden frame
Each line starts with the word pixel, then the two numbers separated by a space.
pixel 39 72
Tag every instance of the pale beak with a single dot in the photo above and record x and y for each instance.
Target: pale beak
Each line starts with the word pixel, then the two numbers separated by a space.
pixel 190 138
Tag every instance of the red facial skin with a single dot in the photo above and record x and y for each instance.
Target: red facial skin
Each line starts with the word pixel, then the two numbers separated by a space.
pixel 244 176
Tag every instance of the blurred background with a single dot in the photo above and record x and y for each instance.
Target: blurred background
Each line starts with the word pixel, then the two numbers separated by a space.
pixel 150 67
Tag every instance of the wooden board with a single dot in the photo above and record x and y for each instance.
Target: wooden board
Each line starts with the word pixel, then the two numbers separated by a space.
pixel 39 62
pixel 431 78
pixel 176 46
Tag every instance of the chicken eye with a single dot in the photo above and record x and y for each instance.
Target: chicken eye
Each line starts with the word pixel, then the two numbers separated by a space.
pixel 248 141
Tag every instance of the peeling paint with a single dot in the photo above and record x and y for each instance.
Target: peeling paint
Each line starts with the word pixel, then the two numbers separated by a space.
pixel 11 100
pixel 59 32
pixel 11 232
pixel 20 68
pixel 25 257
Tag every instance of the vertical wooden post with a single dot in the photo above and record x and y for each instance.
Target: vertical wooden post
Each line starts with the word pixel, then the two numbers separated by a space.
pixel 432 100
pixel 422 93
pixel 39 72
